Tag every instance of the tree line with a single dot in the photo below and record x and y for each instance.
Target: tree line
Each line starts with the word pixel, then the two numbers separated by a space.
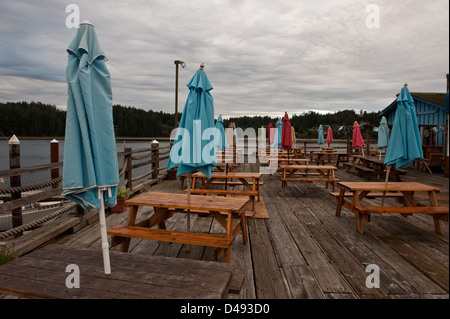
pixel 43 120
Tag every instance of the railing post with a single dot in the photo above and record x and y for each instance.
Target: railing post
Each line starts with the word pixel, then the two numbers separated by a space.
pixel 15 181
pixel 128 171
pixel 155 158
pixel 54 158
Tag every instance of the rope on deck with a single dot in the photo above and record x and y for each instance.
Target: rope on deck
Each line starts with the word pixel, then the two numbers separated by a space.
pixel 20 229
pixel 9 190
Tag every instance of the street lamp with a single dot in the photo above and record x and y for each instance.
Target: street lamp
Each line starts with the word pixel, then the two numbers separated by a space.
pixel 183 65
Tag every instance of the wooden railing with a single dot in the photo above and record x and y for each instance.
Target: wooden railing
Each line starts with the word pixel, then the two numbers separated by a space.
pixel 140 169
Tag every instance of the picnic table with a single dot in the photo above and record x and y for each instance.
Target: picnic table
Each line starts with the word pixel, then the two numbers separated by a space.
pixel 223 209
pixel 320 173
pixel 42 275
pixel 251 188
pixel 357 191
pixel 372 165
pixel 327 155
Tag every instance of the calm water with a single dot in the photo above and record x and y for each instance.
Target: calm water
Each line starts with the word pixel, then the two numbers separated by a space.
pixel 37 152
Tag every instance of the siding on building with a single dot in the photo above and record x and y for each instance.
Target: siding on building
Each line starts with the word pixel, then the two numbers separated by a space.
pixel 430 110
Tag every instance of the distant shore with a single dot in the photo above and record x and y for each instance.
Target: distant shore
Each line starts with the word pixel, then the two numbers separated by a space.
pixel 63 137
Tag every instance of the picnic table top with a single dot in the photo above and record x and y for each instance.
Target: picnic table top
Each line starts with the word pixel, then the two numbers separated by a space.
pixel 180 201
pixel 307 167
pixel 42 274
pixel 373 159
pixel 256 175
pixel 390 186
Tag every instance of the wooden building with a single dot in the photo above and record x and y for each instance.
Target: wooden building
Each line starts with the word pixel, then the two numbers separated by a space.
pixel 432 114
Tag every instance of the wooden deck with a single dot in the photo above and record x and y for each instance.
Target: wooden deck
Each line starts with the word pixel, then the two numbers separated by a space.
pixel 304 251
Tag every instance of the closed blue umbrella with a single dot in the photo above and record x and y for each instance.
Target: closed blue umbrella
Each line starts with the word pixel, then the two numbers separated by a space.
pixel 383 135
pixel 90 171
pixel 320 139
pixel 220 137
pixel 279 131
pixel 404 144
pixel 188 152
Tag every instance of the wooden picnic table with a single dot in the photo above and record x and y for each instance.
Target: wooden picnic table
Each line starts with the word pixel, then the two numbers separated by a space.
pixel 327 155
pixel 357 191
pixel 251 188
pixel 321 173
pixel 372 165
pixel 42 275
pixel 223 209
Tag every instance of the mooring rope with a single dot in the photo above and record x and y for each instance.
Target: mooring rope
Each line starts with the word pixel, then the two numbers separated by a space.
pixel 20 229
pixel 21 189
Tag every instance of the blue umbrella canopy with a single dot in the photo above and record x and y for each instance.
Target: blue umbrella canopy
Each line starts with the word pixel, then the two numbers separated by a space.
pixel 279 131
pixel 220 138
pixel 90 155
pixel 320 139
pixel 383 134
pixel 192 150
pixel 404 144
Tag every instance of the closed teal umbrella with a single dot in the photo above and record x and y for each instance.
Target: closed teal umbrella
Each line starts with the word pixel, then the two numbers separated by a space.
pixel 320 139
pixel 279 131
pixel 90 171
pixel 383 135
pixel 194 150
pixel 220 138
pixel 404 144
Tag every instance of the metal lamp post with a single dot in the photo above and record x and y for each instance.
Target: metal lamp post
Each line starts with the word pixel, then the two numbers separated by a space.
pixel 183 65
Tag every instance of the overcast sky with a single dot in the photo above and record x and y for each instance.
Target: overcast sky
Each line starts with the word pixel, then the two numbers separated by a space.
pixel 262 57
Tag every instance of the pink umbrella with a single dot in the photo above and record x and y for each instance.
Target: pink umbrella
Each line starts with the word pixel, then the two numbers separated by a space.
pixel 329 136
pixel 357 140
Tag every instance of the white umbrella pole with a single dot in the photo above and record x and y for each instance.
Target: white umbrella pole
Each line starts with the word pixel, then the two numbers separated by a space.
pixel 385 183
pixel 104 235
pixel 189 182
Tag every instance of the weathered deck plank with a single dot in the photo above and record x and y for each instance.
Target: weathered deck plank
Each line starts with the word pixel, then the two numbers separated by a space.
pixel 304 251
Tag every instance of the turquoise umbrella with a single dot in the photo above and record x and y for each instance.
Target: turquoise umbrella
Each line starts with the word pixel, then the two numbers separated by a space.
pixel 320 139
pixel 220 138
pixel 90 171
pixel 404 144
pixel 193 149
pixel 383 135
pixel 279 131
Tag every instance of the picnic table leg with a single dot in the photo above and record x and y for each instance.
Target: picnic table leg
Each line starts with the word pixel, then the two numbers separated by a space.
pixel 132 212
pixel 437 221
pixel 244 228
pixel 333 183
pixel 358 223
pixel 340 201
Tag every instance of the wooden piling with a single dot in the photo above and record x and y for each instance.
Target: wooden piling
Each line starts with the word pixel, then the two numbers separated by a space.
pixel 54 158
pixel 15 181
pixel 155 158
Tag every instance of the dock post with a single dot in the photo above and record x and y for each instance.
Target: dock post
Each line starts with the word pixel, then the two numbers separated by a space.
pixel 54 158
pixel 155 159
pixel 15 181
pixel 128 171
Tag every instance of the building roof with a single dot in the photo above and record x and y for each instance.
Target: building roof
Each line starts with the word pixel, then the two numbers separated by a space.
pixel 436 99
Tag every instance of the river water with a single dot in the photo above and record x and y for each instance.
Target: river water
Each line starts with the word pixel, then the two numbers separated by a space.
pixel 37 151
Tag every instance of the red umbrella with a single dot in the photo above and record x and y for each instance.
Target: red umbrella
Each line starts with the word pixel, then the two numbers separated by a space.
pixel 357 140
pixel 271 133
pixel 329 136
pixel 286 133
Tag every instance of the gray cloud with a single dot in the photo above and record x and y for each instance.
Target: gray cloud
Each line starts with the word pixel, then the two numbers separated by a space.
pixel 262 57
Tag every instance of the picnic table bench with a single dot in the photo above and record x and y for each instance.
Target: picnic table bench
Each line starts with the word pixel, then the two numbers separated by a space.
pixel 251 188
pixel 326 174
pixel 223 209
pixel 361 190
